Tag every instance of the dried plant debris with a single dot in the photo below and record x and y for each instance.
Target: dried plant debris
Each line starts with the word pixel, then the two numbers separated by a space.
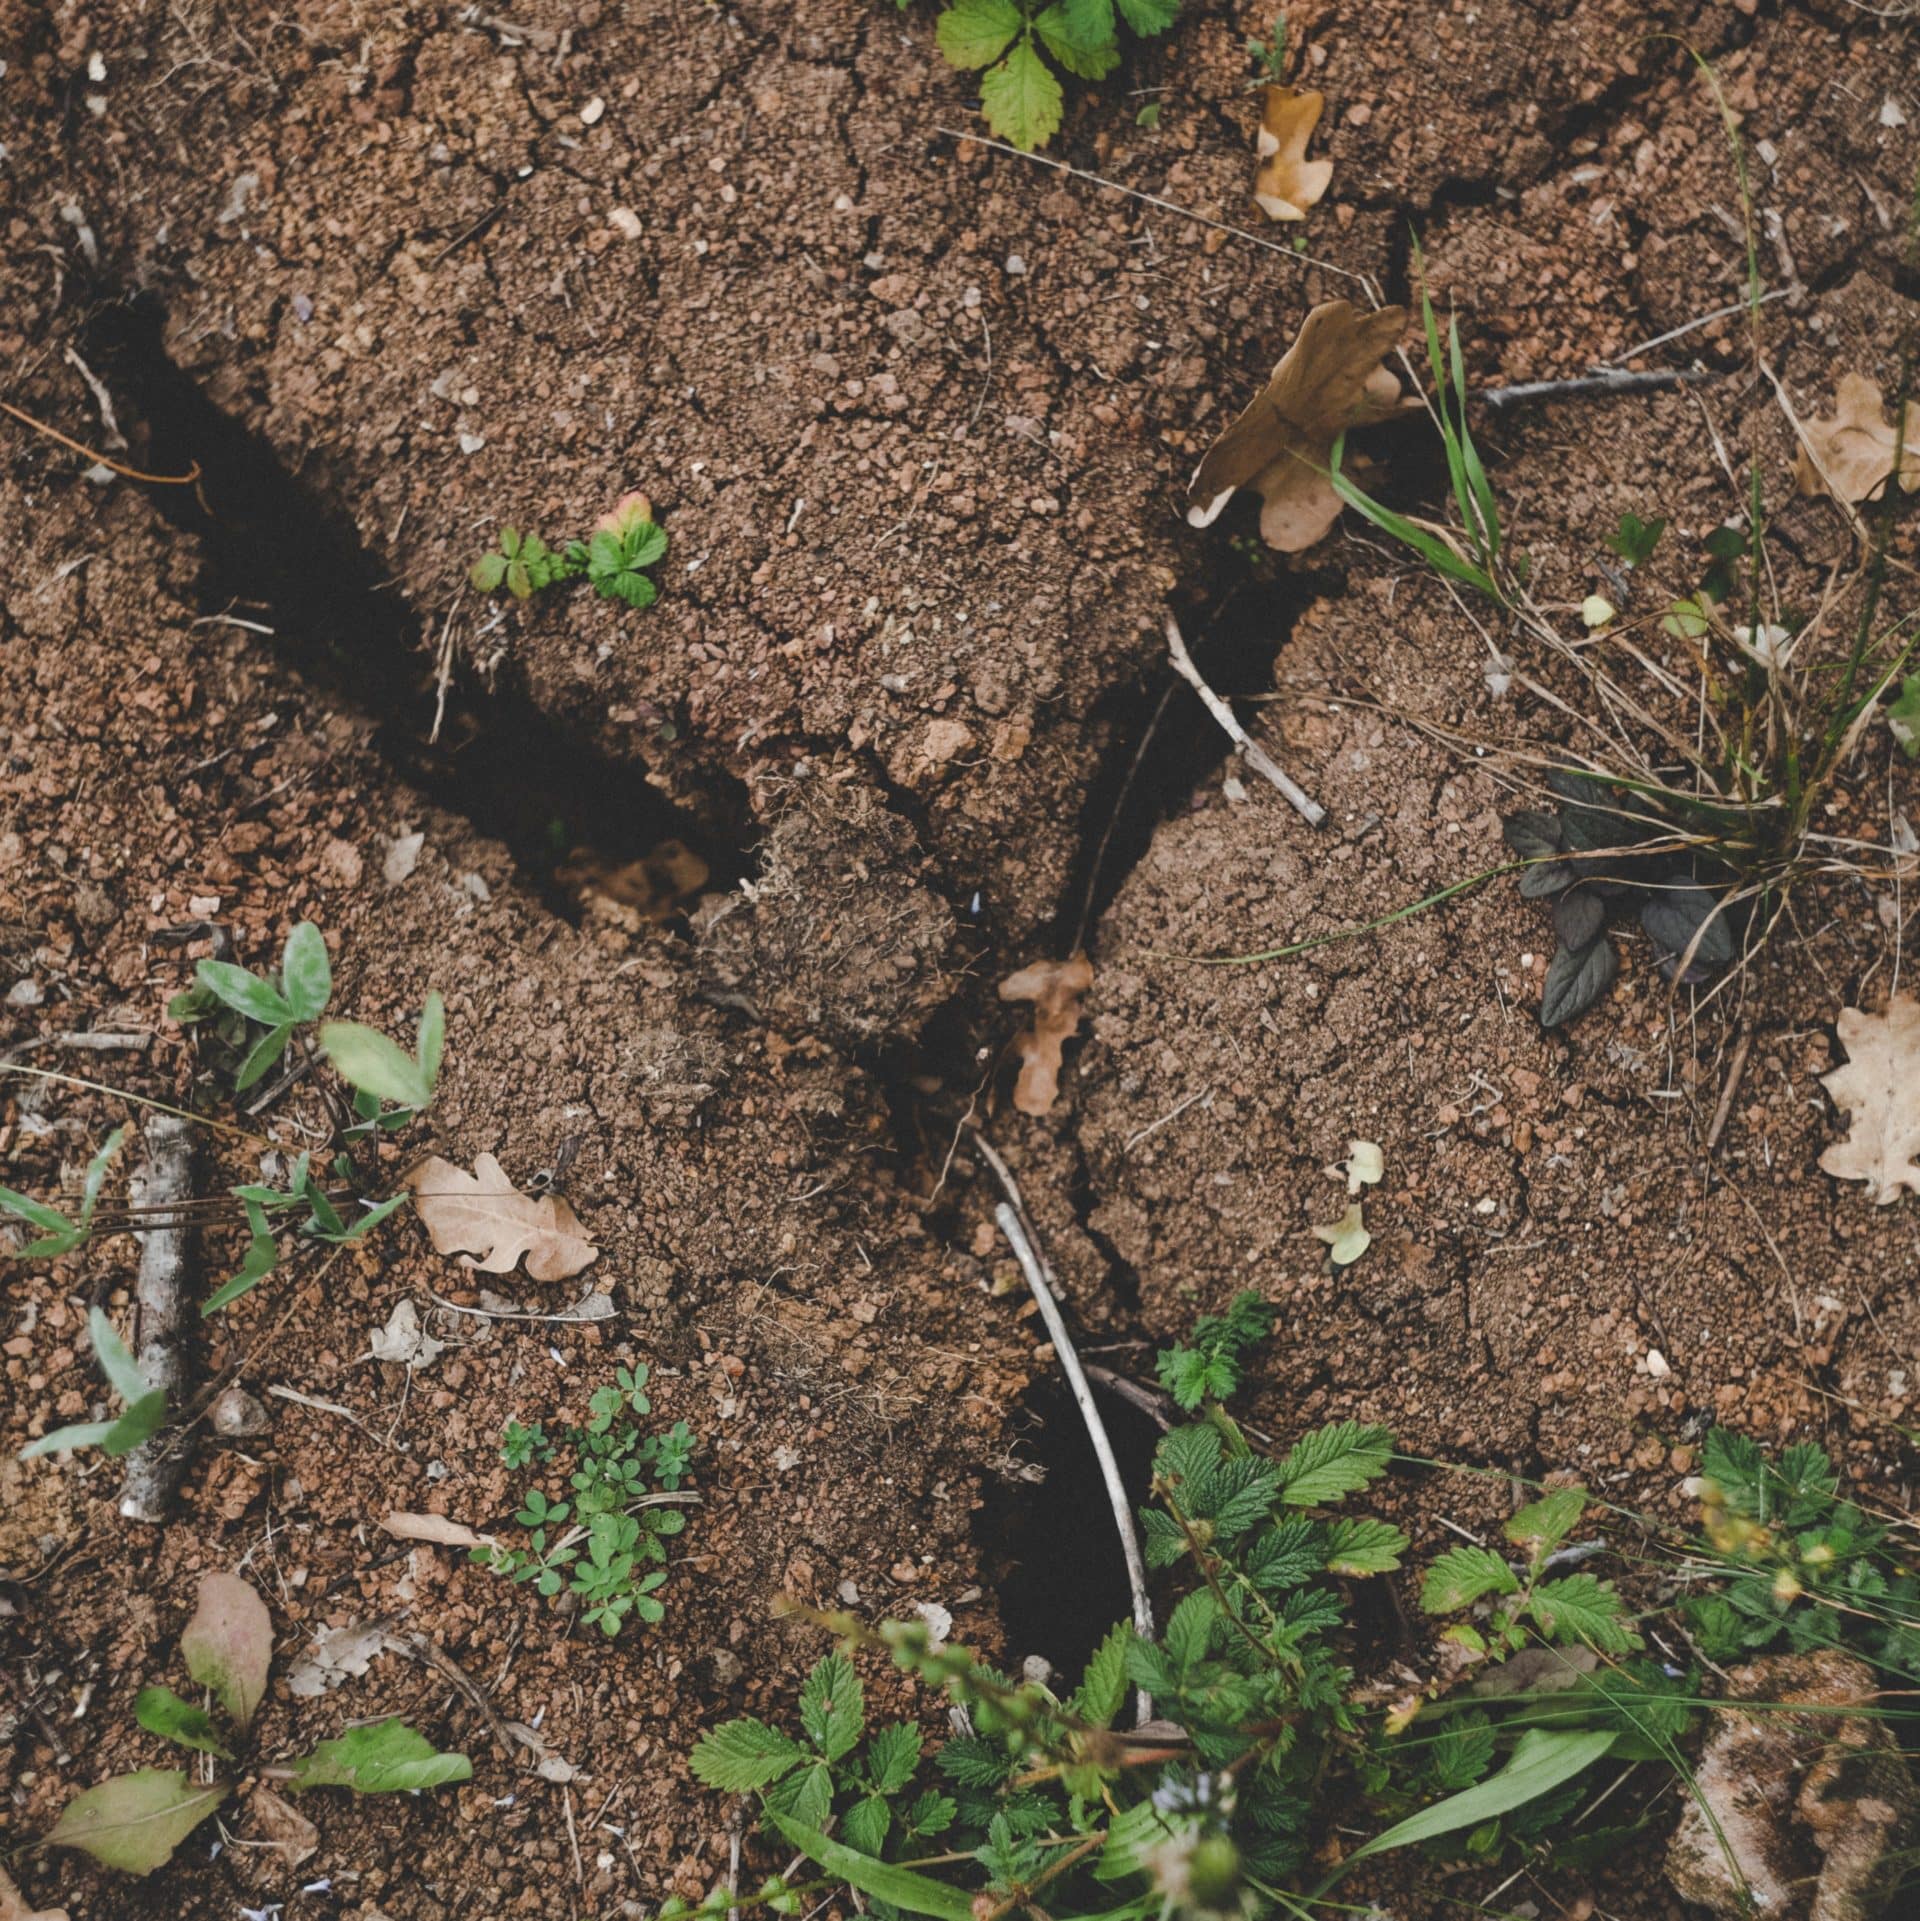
pixel 1328 381
pixel 1851 455
pixel 228 1645
pixel 337 1655
pixel 1054 988
pixel 1288 182
pixel 484 1216
pixel 1364 1166
pixel 1879 1087
pixel 14 1906
pixel 1347 1238
pixel 404 1340
pixel 1595 855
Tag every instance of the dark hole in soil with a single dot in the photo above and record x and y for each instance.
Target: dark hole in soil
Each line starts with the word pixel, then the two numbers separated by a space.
pixel 278 552
pixel 1234 628
pixel 1050 1548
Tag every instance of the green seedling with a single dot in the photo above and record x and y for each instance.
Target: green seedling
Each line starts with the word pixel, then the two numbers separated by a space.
pixel 1269 55
pixel 58 1233
pixel 135 1822
pixel 1007 42
pixel 1207 1366
pixel 146 1406
pixel 613 558
pixel 613 1555
pixel 268 1010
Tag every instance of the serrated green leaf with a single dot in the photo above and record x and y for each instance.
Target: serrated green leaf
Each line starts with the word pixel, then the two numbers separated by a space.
pixel 645 545
pixel 1103 1687
pixel 1584 1609
pixel 135 1821
pixel 1461 1576
pixel 1149 17
pixel 740 1756
pixel 306 974
pixel 1091 56
pixel 1363 1546
pixel 367 1059
pixel 246 993
pixel 160 1711
pixel 865 1824
pixel 892 1756
pixel 1022 99
pixel 911 1892
pixel 833 1707
pixel 806 1795
pixel 387 1758
pixel 975 33
pixel 1542 1525
pixel 1333 1462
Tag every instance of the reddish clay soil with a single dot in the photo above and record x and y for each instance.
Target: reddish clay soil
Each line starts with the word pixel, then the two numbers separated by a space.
pixel 918 416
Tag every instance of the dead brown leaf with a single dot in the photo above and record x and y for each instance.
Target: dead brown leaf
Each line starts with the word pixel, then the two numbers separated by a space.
pixel 1054 988
pixel 1854 450
pixel 1330 379
pixel 14 1906
pixel 435 1529
pixel 1880 1089
pixel 281 1828
pixel 483 1214
pixel 1288 183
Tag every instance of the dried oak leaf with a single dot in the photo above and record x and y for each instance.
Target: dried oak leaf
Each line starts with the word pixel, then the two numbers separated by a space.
pixel 483 1214
pixel 14 1905
pixel 1854 450
pixel 1330 379
pixel 1054 988
pixel 1288 183
pixel 1880 1088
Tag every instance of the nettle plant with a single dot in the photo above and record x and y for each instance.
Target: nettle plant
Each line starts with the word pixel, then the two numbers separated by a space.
pixel 613 558
pixel 250 1021
pixel 605 1544
pixel 135 1822
pixel 1004 40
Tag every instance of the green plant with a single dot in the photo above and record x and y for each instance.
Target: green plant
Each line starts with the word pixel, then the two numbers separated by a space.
pixel 1574 1611
pixel 613 1555
pixel 244 1007
pixel 1270 55
pixel 60 1234
pixel 613 558
pixel 1208 1364
pixel 146 1408
pixel 1802 1566
pixel 134 1822
pixel 1002 40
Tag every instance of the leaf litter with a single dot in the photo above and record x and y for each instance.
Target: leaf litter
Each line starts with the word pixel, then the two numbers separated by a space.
pixel 1288 183
pixel 1055 989
pixel 1330 380
pixel 484 1216
pixel 1851 454
pixel 1879 1087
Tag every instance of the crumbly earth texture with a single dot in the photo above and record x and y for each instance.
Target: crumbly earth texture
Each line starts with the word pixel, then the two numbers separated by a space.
pixel 918 416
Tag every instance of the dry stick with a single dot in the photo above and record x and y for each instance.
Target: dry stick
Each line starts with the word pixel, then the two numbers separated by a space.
pixel 1501 398
pixel 126 473
pixel 1245 745
pixel 155 1467
pixel 1735 1068
pixel 1011 1216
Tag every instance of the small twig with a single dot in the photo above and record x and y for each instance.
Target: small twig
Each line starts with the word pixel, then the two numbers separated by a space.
pixel 155 1467
pixel 1735 1068
pixel 573 1839
pixel 87 1043
pixel 1691 326
pixel 1587 385
pixel 1152 1405
pixel 1011 1215
pixel 1248 748
pixel 126 473
pixel 575 1313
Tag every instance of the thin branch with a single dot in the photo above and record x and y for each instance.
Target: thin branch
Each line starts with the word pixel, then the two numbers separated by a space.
pixel 155 1467
pixel 1011 1215
pixel 1499 399
pixel 126 473
pixel 1245 745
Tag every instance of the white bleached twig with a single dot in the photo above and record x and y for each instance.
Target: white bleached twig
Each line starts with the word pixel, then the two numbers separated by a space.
pixel 1245 745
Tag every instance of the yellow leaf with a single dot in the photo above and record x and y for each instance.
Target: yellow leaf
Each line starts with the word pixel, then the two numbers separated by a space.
pixel 1288 183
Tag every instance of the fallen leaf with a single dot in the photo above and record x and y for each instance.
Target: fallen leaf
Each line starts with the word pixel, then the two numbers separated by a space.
pixel 13 1904
pixel 1054 988
pixel 386 1758
pixel 337 1655
pixel 484 1214
pixel 1288 183
pixel 1879 1087
pixel 228 1645
pixel 1853 452
pixel 280 1827
pixel 404 1341
pixel 1330 379
pixel 434 1528
pixel 1347 1238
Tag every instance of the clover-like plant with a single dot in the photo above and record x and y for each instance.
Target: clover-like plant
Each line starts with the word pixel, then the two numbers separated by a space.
pixel 613 558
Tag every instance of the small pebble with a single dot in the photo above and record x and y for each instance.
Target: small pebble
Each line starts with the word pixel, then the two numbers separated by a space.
pixel 625 222
pixel 591 112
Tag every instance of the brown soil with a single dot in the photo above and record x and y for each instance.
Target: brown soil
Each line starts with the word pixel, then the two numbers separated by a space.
pixel 918 416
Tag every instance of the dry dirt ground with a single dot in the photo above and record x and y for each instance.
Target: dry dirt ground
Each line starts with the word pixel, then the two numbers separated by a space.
pixel 918 416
